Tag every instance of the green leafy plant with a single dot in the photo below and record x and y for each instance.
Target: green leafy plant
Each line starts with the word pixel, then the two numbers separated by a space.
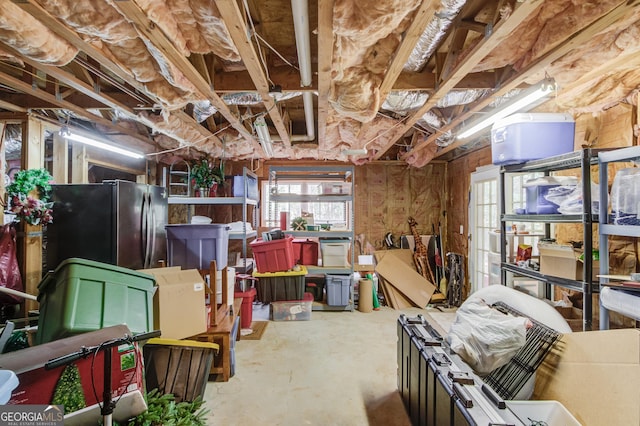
pixel 205 173
pixel 164 410
pixel 299 224
pixel 29 196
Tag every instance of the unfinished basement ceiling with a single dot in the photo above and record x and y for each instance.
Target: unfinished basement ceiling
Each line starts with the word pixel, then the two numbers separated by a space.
pixel 394 77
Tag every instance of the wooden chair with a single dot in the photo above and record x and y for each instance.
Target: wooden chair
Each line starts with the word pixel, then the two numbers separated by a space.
pixel 218 312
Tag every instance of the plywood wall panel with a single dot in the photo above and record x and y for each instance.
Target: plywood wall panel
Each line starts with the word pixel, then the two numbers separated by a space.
pixel 385 195
pixel 457 197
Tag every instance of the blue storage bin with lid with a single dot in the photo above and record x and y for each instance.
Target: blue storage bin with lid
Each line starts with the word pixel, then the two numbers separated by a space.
pixel 519 138
pixel 194 246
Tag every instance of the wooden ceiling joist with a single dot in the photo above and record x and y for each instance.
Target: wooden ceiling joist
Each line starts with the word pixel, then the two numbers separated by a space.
pixel 11 107
pixel 479 52
pixel 537 66
pixel 424 14
pixel 48 97
pixel 33 8
pixel 239 31
pixel 325 55
pixel 139 19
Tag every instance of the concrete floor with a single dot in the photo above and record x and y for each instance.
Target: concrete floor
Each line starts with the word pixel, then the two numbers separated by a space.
pixel 337 369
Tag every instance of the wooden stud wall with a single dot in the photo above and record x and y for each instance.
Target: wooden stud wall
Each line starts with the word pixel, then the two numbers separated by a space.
pixel 386 195
pixel 31 247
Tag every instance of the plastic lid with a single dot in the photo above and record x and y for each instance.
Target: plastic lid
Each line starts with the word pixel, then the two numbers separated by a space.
pixel 185 343
pixel 542 117
pixel 201 220
pixel 302 271
pixel 211 225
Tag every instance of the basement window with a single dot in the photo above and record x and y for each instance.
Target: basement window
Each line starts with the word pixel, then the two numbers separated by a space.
pixel 332 213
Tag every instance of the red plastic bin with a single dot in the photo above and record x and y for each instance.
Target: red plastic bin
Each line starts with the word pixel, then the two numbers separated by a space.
pixel 273 256
pixel 306 251
pixel 246 307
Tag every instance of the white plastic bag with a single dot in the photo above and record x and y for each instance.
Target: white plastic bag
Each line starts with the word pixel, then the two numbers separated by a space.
pixel 485 337
pixel 569 199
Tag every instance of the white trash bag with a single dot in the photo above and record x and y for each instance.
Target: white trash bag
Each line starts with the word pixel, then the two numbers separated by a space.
pixel 486 338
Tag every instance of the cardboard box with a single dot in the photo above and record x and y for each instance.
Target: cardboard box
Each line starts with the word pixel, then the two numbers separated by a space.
pixel 562 261
pixel 73 385
pixel 573 316
pixel 179 309
pixel 396 267
pixel 595 375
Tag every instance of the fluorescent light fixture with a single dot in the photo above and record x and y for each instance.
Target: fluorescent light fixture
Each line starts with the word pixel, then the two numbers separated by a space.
pixel 66 133
pixel 361 151
pixel 263 135
pixel 524 99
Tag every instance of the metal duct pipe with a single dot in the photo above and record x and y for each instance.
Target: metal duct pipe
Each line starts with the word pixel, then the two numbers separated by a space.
pixel 300 10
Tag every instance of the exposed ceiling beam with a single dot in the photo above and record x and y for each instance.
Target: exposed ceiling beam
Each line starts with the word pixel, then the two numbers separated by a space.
pixel 419 21
pixel 73 82
pixel 537 66
pixel 11 107
pixel 288 79
pixel 12 117
pixel 234 20
pixel 240 81
pixel 73 96
pixel 48 97
pixel 25 101
pixel 143 24
pixel 325 55
pixel 479 52
pixel 34 9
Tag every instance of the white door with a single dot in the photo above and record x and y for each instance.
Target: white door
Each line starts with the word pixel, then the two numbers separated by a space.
pixel 484 217
pixel 484 220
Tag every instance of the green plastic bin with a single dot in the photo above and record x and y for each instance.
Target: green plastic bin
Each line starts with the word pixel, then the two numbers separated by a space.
pixel 83 295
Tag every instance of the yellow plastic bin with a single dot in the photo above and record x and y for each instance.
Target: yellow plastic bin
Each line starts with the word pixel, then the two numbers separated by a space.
pixel 178 367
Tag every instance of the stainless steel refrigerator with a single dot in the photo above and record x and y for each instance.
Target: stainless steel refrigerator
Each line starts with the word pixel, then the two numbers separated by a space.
pixel 117 222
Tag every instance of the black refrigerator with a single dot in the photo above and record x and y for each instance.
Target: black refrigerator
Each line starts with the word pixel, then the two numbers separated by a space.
pixel 117 222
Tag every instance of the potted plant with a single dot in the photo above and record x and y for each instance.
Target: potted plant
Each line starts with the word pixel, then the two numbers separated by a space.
pixel 29 196
pixel 206 176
